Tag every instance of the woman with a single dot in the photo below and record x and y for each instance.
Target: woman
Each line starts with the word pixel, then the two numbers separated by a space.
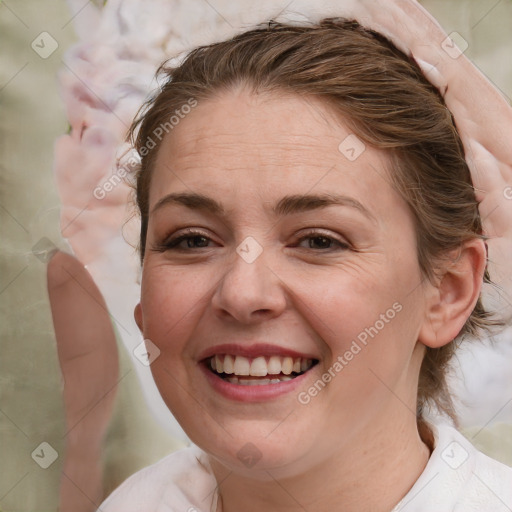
pixel 311 248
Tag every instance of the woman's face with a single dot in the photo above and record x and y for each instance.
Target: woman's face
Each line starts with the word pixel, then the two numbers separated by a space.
pixel 276 247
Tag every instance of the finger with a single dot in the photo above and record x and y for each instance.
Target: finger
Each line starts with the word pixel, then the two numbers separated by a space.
pixel 87 351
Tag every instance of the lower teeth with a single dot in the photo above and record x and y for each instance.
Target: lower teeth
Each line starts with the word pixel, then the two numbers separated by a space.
pixel 257 382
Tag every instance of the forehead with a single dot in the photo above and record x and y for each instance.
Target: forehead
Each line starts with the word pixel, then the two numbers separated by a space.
pixel 240 143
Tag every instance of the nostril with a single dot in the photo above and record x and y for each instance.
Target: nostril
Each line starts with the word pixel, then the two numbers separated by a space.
pixel 262 312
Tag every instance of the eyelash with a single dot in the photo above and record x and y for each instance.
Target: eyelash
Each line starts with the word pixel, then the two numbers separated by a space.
pixel 172 244
pixel 342 246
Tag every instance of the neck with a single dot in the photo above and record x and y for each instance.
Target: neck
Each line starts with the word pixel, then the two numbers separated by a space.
pixel 371 472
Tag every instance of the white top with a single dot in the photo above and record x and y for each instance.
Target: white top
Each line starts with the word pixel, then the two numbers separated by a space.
pixel 457 478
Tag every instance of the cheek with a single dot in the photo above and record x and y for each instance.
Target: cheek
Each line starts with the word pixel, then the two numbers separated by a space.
pixel 342 302
pixel 368 328
pixel 172 301
pixel 369 319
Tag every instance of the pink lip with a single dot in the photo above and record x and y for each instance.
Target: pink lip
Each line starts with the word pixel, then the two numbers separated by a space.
pixel 252 351
pixel 260 393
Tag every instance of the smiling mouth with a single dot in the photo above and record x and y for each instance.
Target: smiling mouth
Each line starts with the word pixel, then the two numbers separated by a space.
pixel 258 371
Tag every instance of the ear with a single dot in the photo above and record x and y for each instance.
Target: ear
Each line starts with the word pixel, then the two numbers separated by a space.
pixel 452 299
pixel 137 314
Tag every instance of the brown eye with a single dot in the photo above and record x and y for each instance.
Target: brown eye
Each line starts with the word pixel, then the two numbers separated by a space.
pixel 187 241
pixel 196 241
pixel 320 242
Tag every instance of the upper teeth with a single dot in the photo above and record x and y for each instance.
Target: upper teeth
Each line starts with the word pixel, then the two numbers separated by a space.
pixel 259 366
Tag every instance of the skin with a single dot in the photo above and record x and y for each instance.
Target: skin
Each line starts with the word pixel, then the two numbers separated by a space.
pixel 354 446
pixel 87 350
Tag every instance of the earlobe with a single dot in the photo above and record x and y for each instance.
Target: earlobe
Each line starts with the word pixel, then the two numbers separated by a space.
pixel 137 314
pixel 454 297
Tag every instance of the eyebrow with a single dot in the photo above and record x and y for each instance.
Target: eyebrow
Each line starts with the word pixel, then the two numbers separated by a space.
pixel 301 203
pixel 287 205
pixel 190 200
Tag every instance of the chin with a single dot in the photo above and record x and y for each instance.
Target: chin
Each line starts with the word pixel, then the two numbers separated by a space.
pixel 249 453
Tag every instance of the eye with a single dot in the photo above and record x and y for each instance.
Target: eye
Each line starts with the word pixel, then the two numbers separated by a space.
pixel 188 241
pixel 320 241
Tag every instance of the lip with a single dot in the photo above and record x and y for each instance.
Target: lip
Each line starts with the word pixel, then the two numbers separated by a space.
pixel 253 350
pixel 252 394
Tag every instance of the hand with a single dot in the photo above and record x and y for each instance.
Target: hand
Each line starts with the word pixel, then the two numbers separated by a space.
pixel 87 351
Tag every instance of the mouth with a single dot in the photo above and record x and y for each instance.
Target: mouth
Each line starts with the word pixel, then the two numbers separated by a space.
pixel 258 371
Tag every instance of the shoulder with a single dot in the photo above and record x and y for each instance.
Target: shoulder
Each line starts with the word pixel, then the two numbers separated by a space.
pixel 181 481
pixel 488 485
pixel 459 478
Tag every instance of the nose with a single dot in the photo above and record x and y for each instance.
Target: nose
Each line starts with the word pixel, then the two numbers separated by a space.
pixel 249 292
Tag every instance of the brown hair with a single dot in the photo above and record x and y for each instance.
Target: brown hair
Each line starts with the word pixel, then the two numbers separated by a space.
pixel 387 102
